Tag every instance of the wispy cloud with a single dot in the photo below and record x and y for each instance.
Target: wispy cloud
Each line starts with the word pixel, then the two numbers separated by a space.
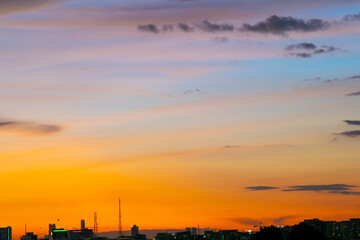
pixel 260 188
pixel 194 91
pixel 309 49
pixel 208 26
pixel 246 221
pixel 281 220
pixel 281 25
pixel 14 6
pixel 28 128
pixel 301 55
pixel 155 29
pixel 258 146
pixel 353 94
pixel 343 189
pixel 354 77
pixel 352 122
pixel 319 188
pixel 253 222
pixel 352 17
pixel 185 27
pixel 302 46
pixel 354 133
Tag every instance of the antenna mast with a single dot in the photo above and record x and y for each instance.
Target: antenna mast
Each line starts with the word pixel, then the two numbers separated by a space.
pixel 120 227
pixel 95 225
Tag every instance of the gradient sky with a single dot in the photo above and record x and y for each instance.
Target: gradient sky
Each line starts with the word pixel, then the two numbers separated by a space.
pixel 218 113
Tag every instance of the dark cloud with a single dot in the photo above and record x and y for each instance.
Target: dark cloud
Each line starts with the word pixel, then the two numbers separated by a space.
pixel 214 27
pixel 352 122
pixel 185 27
pixel 280 25
pixel 354 77
pixel 352 17
pixel 346 192
pixel 5 123
pixel 301 46
pixel 353 94
pixel 28 127
pixel 343 189
pixel 331 188
pixel 325 49
pixel 355 133
pixel 148 28
pixel 308 50
pixel 155 29
pixel 260 188
pixel 301 55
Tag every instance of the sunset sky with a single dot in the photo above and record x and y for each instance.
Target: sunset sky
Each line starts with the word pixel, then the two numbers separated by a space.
pixel 218 113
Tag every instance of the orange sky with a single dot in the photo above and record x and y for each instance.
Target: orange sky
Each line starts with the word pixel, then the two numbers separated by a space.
pixel 219 125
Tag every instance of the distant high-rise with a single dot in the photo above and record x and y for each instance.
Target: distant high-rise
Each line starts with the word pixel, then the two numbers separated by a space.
pixel 6 233
pixel 52 227
pixel 82 224
pixel 134 230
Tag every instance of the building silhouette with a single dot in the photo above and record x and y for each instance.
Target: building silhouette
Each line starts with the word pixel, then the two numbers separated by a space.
pixel 59 234
pixel 6 233
pixel 82 224
pixel 163 236
pixel 52 227
pixel 29 236
pixel 134 230
pixel 344 230
pixel 82 234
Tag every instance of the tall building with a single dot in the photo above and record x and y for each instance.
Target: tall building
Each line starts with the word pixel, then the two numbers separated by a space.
pixel 6 233
pixel 82 224
pixel 52 227
pixel 134 230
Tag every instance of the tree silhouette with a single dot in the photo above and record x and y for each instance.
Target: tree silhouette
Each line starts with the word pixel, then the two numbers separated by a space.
pixel 268 233
pixel 305 232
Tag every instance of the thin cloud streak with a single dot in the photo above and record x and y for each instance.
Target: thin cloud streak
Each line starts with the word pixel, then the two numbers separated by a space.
pixel 260 188
pixel 343 189
pixel 28 128
pixel 351 134
pixel 18 6
pixel 281 25
pixel 353 122
pixel 353 94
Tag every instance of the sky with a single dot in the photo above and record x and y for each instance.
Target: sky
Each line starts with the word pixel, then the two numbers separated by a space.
pixel 218 113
